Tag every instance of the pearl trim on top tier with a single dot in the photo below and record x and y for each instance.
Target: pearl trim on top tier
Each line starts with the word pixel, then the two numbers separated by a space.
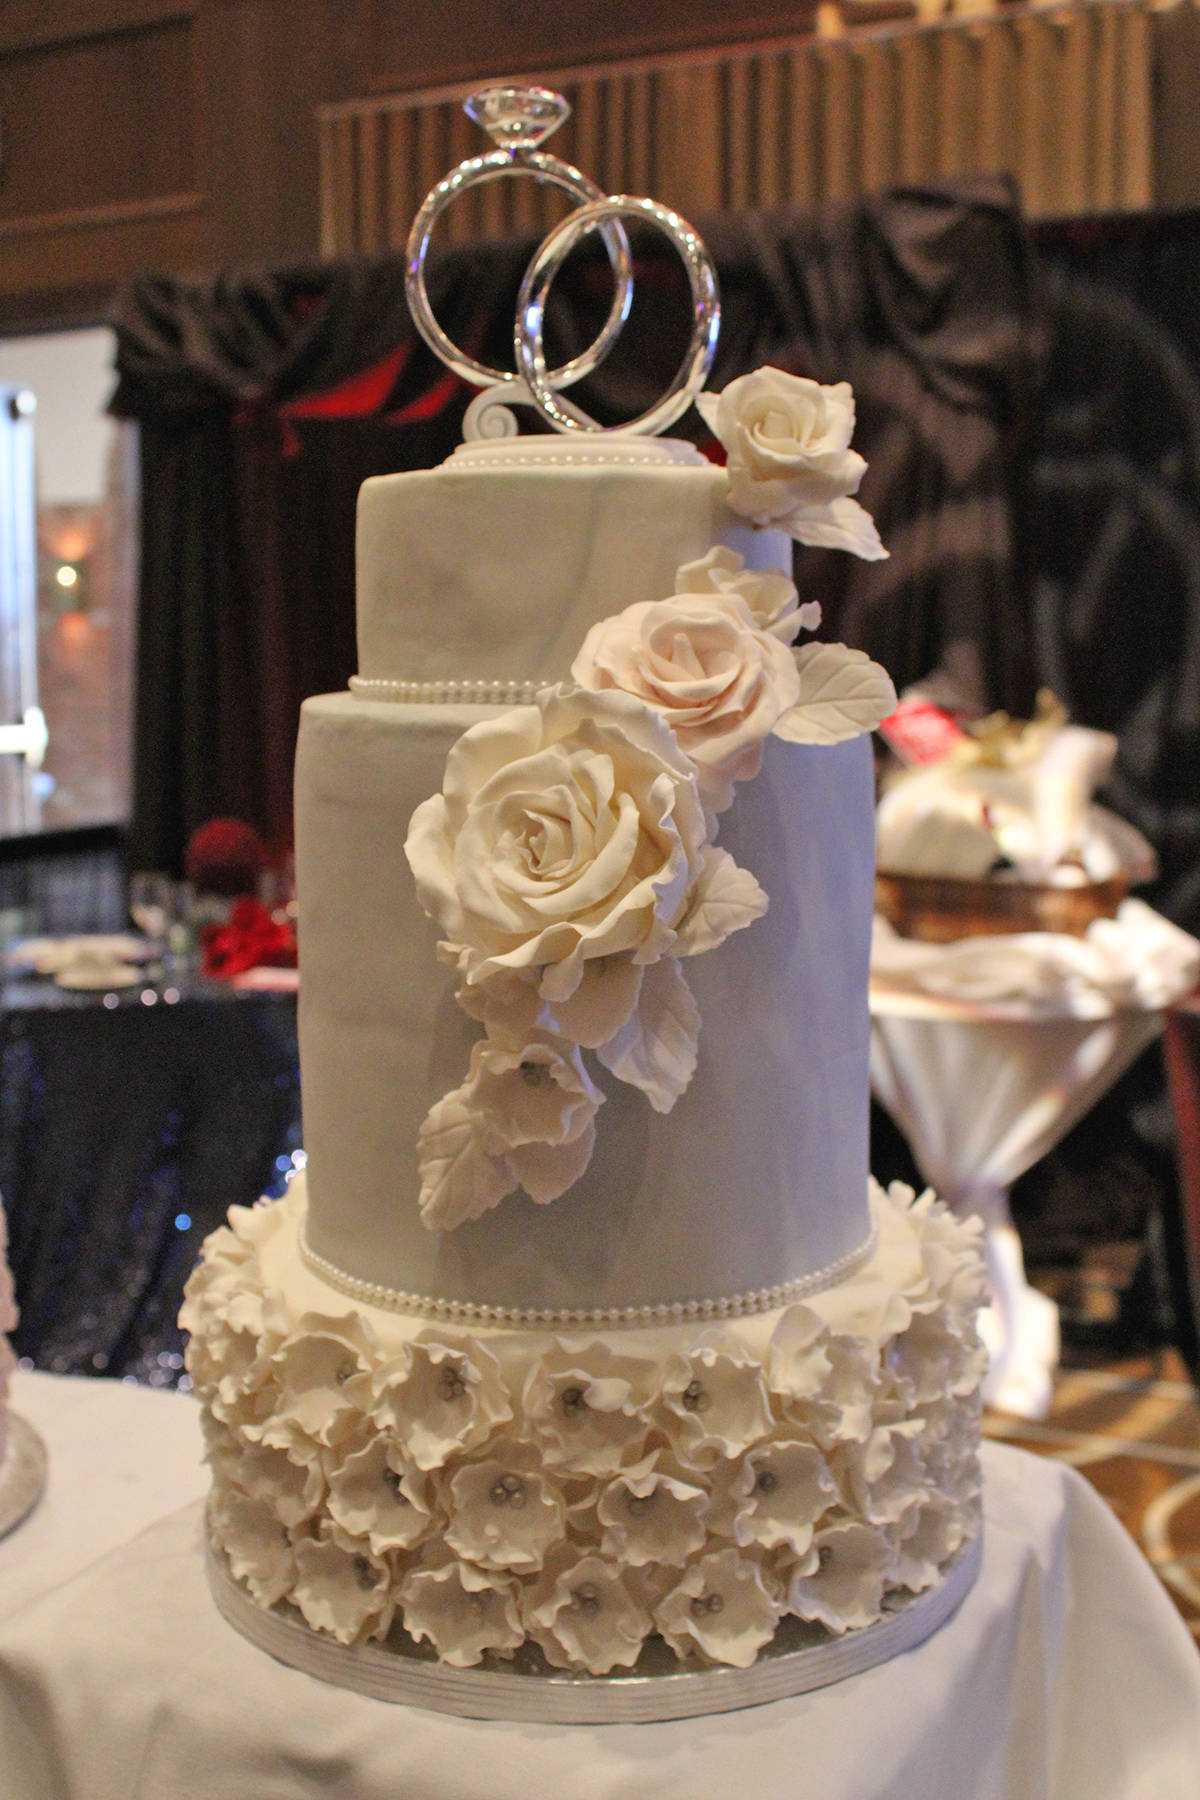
pixel 662 1312
pixel 445 693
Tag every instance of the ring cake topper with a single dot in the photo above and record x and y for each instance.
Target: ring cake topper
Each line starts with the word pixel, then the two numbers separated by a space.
pixel 518 120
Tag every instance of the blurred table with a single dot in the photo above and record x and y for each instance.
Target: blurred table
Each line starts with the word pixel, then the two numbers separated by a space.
pixel 1065 1674
pixel 981 1093
pixel 130 1121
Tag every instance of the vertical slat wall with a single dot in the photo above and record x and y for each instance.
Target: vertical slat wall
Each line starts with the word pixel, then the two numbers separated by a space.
pixel 1060 97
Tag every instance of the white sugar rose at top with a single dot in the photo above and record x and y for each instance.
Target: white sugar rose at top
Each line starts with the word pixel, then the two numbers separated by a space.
pixel 787 443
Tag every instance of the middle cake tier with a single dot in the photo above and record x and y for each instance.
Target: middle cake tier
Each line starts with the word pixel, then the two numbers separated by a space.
pixel 754 1181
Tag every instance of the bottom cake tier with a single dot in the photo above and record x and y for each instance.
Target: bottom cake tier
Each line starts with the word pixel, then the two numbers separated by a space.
pixel 687 1489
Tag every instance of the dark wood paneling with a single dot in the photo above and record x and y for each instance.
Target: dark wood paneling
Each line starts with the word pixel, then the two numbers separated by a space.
pixel 98 123
pixel 409 44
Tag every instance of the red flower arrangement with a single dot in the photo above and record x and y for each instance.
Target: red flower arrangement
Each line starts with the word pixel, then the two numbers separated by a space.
pixel 250 939
pixel 227 857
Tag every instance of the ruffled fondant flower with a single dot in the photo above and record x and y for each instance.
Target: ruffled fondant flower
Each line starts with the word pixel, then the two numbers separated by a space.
pixel 701 661
pixel 342 1589
pixel 463 1612
pixel 950 1447
pixel 312 1368
pixel 505 1511
pixel 524 1117
pixel 651 1518
pixel 884 1477
pixel 952 1251
pixel 235 1324
pixel 840 1583
pixel 825 1381
pixel 714 1402
pixel 782 1489
pixel 787 445
pixel 770 595
pixel 565 831
pixel 584 1613
pixel 257 1546
pixel 927 1538
pixel 722 1610
pixel 294 1491
pixel 376 1494
pixel 936 1354
pixel 586 1407
pixel 439 1397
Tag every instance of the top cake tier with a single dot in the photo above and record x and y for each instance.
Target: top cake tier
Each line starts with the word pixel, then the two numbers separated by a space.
pixel 498 579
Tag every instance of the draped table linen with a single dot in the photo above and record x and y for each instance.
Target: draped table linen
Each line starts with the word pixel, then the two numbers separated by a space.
pixel 986 1052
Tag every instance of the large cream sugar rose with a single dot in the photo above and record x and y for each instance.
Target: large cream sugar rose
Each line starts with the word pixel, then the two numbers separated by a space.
pixel 787 443
pixel 703 662
pixel 567 830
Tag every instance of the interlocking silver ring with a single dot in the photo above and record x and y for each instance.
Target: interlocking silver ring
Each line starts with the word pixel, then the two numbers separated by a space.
pixel 479 169
pixel 548 259
pixel 518 119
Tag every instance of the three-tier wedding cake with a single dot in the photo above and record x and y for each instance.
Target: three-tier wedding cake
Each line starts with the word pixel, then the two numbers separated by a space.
pixel 584 1338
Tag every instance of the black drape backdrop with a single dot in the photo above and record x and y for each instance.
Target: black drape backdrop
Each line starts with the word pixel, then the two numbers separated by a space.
pixel 265 400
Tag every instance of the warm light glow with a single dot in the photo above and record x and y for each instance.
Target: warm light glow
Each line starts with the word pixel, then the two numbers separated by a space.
pixel 67 577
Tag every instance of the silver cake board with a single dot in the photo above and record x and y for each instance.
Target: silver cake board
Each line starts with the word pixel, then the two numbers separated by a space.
pixel 22 1473
pixel 801 1658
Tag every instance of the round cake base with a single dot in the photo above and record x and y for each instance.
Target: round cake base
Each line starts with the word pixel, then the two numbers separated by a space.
pixel 22 1473
pixel 525 1690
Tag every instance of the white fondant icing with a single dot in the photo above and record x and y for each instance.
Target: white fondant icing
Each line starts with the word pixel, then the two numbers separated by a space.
pixel 497 569
pixel 757 1176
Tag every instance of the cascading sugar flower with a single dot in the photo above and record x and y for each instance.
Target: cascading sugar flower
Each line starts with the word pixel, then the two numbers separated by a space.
pixel 769 595
pixel 565 831
pixel 568 861
pixel 787 443
pixel 703 662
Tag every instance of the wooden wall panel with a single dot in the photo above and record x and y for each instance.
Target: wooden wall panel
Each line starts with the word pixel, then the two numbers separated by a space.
pixel 96 124
pixel 411 45
pixel 1064 98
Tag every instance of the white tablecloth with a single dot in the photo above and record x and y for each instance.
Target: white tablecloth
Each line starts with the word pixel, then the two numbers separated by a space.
pixel 981 1094
pixel 1065 1675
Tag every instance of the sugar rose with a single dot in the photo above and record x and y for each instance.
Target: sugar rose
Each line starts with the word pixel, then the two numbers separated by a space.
pixel 787 443
pixel 568 830
pixel 703 662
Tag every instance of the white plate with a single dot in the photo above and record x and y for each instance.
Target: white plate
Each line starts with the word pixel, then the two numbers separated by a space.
pixel 87 977
pixel 48 955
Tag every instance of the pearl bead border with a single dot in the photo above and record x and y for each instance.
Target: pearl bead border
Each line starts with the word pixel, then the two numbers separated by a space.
pixel 443 693
pixel 610 1318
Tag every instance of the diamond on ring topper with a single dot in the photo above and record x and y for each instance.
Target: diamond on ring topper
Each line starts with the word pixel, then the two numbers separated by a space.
pixel 518 119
